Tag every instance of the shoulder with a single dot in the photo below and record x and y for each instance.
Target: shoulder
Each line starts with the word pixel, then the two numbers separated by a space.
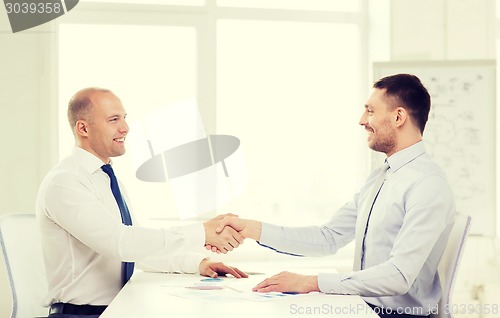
pixel 67 173
pixel 429 182
pixel 431 171
pixel 425 177
pixel 424 167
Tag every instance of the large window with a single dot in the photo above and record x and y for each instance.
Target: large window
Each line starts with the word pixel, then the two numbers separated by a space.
pixel 147 67
pixel 291 93
pixel 285 77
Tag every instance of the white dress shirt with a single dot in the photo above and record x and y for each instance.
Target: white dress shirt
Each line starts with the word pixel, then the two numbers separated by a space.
pixel 84 241
pixel 407 233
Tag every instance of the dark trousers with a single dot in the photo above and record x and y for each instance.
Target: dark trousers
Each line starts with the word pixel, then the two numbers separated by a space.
pixel 66 310
pixel 387 313
pixel 72 316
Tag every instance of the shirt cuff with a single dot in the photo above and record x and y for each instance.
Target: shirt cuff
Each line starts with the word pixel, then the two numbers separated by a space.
pixel 268 233
pixel 194 236
pixel 192 262
pixel 331 283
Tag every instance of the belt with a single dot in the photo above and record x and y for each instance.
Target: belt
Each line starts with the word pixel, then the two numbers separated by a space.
pixel 385 312
pixel 66 308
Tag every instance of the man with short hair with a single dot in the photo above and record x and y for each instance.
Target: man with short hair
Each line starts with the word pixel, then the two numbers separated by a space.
pixel 401 225
pixel 88 240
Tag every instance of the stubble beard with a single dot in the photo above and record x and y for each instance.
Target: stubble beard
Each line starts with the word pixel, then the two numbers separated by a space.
pixel 385 140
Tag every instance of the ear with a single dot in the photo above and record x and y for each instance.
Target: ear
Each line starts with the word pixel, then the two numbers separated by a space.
pixel 81 128
pixel 400 116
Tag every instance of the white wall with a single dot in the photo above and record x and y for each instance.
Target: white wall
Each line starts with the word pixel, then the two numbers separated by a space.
pixel 421 29
pixel 26 123
pixel 442 29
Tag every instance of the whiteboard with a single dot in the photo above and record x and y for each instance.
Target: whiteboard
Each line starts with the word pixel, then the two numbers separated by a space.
pixel 460 133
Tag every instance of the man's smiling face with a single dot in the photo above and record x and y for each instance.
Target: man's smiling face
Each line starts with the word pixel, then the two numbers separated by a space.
pixel 376 119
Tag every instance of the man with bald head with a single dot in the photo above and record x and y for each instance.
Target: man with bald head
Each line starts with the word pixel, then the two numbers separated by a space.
pixel 88 240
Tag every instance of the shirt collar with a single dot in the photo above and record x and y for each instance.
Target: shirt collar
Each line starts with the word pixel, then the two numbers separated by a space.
pixel 88 161
pixel 406 155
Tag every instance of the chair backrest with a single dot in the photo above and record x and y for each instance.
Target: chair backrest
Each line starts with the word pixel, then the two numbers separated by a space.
pixel 22 251
pixel 450 261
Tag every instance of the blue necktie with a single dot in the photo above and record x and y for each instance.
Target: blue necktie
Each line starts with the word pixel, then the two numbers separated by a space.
pixel 127 267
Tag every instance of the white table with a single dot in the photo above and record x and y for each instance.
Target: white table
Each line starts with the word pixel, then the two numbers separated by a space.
pixel 156 295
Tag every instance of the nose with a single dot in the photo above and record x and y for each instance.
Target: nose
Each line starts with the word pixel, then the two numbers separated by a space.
pixel 363 120
pixel 124 127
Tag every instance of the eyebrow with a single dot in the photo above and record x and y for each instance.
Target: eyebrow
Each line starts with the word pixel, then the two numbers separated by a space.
pixel 117 115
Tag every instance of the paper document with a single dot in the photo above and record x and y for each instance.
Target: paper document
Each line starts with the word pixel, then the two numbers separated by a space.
pixel 221 289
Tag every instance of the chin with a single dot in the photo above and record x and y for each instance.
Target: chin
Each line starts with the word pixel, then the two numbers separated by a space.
pixel 376 147
pixel 372 145
pixel 118 153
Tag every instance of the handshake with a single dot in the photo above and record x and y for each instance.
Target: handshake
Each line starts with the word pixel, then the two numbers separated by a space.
pixel 226 232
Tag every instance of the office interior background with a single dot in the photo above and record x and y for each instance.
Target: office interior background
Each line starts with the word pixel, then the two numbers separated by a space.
pixel 288 78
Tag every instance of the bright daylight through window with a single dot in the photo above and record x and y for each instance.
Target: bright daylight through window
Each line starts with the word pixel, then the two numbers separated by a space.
pixel 290 89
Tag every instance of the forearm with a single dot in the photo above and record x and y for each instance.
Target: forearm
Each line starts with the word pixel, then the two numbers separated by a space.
pixel 382 280
pixel 184 262
pixel 308 241
pixel 313 240
pixel 152 245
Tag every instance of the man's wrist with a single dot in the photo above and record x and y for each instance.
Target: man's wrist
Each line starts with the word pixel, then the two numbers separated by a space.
pixel 314 285
pixel 254 230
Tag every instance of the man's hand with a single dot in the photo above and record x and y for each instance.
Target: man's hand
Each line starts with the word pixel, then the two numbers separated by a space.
pixel 288 282
pixel 222 241
pixel 247 228
pixel 214 269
